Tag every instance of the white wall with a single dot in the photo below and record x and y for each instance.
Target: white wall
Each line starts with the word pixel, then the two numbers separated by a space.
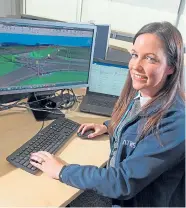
pixel 66 10
pixel 9 7
pixel 129 16
pixel 125 15
pixel 161 5
pixel 5 7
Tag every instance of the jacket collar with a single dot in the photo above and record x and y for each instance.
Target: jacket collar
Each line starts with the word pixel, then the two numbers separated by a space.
pixel 156 106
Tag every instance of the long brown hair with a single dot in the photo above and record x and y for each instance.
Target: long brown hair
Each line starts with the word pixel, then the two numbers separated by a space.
pixel 173 48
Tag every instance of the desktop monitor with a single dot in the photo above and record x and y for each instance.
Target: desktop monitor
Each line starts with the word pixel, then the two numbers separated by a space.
pixel 39 57
pixel 44 56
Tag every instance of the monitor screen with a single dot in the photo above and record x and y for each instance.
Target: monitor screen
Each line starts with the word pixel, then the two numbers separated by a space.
pixel 42 55
pixel 107 78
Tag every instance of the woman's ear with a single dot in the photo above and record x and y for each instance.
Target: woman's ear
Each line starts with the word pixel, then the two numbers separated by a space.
pixel 170 70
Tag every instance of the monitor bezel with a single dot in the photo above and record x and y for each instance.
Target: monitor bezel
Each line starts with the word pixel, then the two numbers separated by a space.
pixel 52 24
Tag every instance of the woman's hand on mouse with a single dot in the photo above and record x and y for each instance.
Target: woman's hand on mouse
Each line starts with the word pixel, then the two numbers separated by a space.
pixel 99 129
pixel 48 163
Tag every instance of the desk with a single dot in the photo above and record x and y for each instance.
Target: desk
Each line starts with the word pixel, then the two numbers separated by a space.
pixel 21 189
pixel 120 44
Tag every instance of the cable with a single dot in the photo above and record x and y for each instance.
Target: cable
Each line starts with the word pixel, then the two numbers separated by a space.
pixel 42 126
pixel 39 109
pixel 17 104
pixel 6 107
pixel 35 109
pixel 67 100
pixel 43 122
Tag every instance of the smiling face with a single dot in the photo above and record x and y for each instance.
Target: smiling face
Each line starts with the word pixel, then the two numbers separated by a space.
pixel 148 65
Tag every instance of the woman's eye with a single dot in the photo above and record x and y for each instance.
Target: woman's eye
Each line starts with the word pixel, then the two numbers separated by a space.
pixel 151 59
pixel 134 55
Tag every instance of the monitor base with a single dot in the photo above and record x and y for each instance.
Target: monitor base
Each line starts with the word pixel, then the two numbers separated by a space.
pixel 43 108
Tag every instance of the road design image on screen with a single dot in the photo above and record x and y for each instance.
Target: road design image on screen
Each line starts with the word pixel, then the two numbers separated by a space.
pixel 33 57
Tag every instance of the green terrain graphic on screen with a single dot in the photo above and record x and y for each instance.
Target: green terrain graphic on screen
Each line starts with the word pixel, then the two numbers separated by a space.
pixel 39 65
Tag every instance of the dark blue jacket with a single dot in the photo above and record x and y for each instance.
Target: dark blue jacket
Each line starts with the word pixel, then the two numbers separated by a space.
pixel 146 173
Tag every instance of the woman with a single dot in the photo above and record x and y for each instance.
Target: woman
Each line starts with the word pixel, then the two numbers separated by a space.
pixel 146 165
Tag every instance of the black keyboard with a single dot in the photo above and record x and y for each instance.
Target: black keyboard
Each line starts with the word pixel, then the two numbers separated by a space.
pixel 50 139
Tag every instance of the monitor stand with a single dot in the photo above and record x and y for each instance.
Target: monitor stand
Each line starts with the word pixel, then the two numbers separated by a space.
pixel 43 108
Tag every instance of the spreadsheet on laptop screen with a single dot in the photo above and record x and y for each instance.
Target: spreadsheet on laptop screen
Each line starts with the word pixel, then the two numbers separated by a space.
pixel 107 78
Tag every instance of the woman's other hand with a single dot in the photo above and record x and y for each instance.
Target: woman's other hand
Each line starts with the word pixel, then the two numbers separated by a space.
pixel 99 129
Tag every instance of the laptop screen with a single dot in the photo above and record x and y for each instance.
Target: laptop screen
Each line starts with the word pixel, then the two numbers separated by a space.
pixel 107 78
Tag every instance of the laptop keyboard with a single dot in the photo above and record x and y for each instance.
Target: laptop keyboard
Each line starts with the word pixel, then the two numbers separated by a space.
pixel 100 102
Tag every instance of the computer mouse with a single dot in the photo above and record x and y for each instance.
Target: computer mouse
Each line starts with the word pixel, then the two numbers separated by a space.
pixel 86 133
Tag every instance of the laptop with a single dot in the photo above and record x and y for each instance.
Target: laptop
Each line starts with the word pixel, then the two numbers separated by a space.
pixel 106 81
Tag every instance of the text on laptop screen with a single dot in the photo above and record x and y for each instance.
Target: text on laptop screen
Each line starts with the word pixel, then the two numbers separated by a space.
pixel 107 78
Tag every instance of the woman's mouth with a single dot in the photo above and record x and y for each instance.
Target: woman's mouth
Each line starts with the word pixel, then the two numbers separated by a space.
pixel 139 77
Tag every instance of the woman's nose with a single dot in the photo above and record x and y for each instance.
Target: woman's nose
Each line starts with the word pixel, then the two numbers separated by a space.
pixel 137 64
